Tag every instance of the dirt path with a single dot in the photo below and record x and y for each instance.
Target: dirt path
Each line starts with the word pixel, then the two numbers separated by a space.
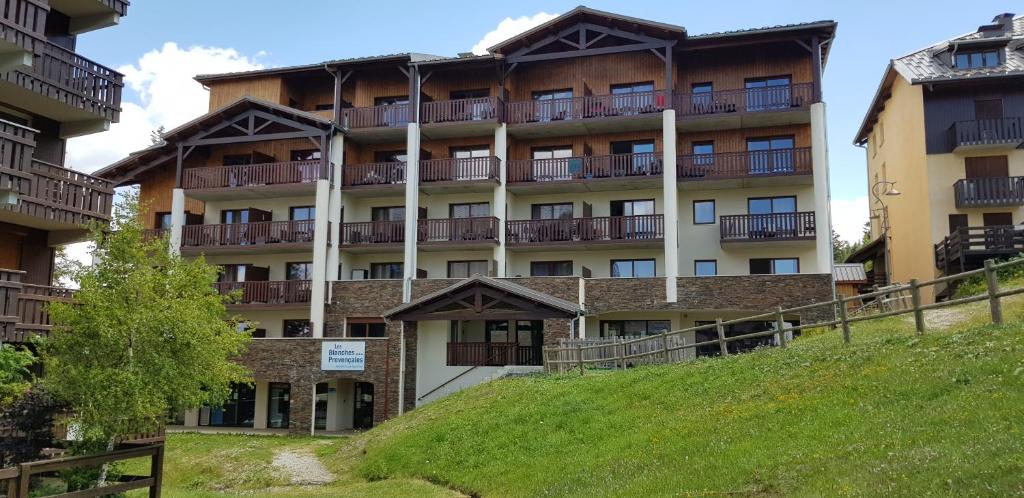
pixel 303 467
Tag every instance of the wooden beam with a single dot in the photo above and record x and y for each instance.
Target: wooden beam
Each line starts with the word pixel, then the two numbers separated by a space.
pixel 247 139
pixel 595 40
pixel 178 171
pixel 587 52
pixel 816 67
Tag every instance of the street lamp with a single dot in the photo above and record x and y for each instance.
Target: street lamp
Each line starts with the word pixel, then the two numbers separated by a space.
pixel 883 217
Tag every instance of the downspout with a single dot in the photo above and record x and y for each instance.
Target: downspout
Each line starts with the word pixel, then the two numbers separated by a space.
pixel 401 369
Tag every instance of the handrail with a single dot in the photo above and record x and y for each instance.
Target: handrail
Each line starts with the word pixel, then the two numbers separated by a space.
pixel 372 232
pixel 585 107
pixel 461 110
pixel 973 132
pixel 990 191
pixel 773 226
pixel 643 164
pixel 250 175
pixel 646 227
pixel 379 116
pixel 745 100
pixel 380 173
pixel 255 233
pixel 464 372
pixel 749 164
pixel 459 169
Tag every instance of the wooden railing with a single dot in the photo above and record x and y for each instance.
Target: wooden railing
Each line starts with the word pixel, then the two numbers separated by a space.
pixel 775 98
pixel 33 309
pixel 17 144
pixel 475 109
pixel 995 191
pixel 458 230
pixel 388 173
pixel 980 242
pixel 87 84
pixel 66 196
pixel 19 479
pixel 149 234
pixel 251 175
pixel 381 116
pixel 24 22
pixel 248 234
pixel 459 170
pixel 472 354
pixel 585 167
pixel 640 228
pixel 269 291
pixel 590 106
pixel 753 164
pixel 10 287
pixel 987 132
pixel 372 232
pixel 761 227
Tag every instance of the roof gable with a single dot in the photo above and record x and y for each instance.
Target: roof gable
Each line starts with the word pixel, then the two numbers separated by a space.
pixel 484 298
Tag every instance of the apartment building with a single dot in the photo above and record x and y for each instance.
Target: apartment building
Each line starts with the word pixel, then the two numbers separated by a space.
pixel 944 133
pixel 48 93
pixel 405 225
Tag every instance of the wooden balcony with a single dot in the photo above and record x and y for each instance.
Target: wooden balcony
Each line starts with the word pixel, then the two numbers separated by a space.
pixel 989 192
pixel 24 307
pixel 55 198
pixel 377 123
pixel 281 179
pixel 968 247
pixel 474 354
pixel 586 173
pixel 462 233
pixel 149 234
pixel 268 294
pixel 262 237
pixel 379 179
pixel 743 169
pixel 635 231
pixel 373 236
pixel 22 24
pixel 462 117
pixel 450 175
pixel 88 15
pixel 587 114
pixel 770 228
pixel 754 107
pixel 1001 133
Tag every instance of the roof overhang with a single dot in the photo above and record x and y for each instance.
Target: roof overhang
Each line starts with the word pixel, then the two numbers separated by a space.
pixel 485 298
pixel 868 252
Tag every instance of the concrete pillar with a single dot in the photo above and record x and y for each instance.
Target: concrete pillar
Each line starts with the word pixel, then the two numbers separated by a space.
pixel 318 290
pixel 671 194
pixel 177 219
pixel 334 207
pixel 412 203
pixel 822 212
pixel 501 196
pixel 259 420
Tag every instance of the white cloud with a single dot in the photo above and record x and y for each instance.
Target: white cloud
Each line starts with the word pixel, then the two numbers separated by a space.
pixel 168 96
pixel 508 28
pixel 849 216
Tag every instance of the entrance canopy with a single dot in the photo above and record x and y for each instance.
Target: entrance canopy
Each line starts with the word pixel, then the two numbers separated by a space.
pixel 483 298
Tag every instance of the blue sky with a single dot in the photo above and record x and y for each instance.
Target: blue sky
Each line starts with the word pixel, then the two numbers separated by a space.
pixel 870 33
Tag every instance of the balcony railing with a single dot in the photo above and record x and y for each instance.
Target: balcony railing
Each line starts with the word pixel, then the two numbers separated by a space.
pixel 643 164
pixel 17 144
pixel 33 306
pixel 982 132
pixel 459 170
pixel 251 175
pixel 967 247
pixel 73 80
pixel 590 106
pixel 473 354
pixel 753 164
pixel 768 227
pixel 368 233
pixel 768 99
pixel 986 192
pixel 149 234
pixel 264 233
pixel 466 230
pixel 28 18
pixel 381 116
pixel 66 196
pixel 462 110
pixel 268 291
pixel 640 228
pixel 358 175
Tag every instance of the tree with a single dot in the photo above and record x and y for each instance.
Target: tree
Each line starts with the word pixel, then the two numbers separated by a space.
pixel 840 248
pixel 146 333
pixel 156 137
pixel 14 373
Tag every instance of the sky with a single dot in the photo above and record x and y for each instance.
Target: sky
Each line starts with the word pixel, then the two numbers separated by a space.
pixel 161 44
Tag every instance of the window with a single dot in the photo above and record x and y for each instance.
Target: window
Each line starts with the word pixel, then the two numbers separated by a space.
pixel 705 267
pixel 770 155
pixel 973 60
pixel 768 93
pixel 390 156
pixel 232 273
pixel 302 213
pixel 305 155
pixel 550 268
pixel 556 152
pixel 701 97
pixel 163 221
pixel 632 207
pixel 551 211
pixel 237 411
pixel 647 86
pixel 297 328
pixel 388 213
pixel 236 159
pixel 553 104
pixel 470 162
pixel 771 205
pixel 466 269
pixel 553 163
pixel 391 100
pixel 278 404
pixel 366 327
pixel 469 210
pixel 633 268
pixel 469 94
pixel 299 271
pixel 234 216
pixel 956 222
pixel 643 161
pixel 619 328
pixel 703 152
pixel 633 98
pixel 774 266
pixel 385 270
pixel 704 212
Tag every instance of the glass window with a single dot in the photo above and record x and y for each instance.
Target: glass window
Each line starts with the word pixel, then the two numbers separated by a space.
pixel 366 327
pixel 647 86
pixel 299 271
pixel 163 221
pixel 466 269
pixel 238 410
pixel 768 93
pixel 234 216
pixel 705 267
pixel 703 212
pixel 302 213
pixel 306 154
pixel 619 328
pixel 473 210
pixel 385 270
pixel 770 205
pixel 770 155
pixel 550 268
pixel 973 60
pixel 633 268
pixel 297 328
pixel 551 211
pixel 278 402
pixel 388 213
pixel 632 207
pixel 774 266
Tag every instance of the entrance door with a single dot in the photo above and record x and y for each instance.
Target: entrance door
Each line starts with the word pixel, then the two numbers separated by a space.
pixel 320 407
pixel 362 412
pixel 997 219
pixel 278 404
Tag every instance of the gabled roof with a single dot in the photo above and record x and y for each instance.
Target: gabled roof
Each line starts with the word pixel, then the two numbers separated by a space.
pixel 401 58
pixel 555 305
pixel 849 273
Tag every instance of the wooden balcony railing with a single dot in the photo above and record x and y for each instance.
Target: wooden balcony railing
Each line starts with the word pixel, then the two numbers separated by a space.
pixel 459 170
pixel 119 6
pixel 17 144
pixel 462 110
pixel 269 291
pixel 381 116
pixel 33 306
pixel 981 132
pixel 590 106
pixel 640 228
pixel 585 167
pixel 149 234
pixel 65 196
pixel 248 234
pixel 784 162
pixel 24 22
pixel 775 98
pixel 372 233
pixel 762 227
pixel 357 175
pixel 967 247
pixel 251 175
pixel 73 80
pixel 481 229
pixel 473 354
pixel 986 192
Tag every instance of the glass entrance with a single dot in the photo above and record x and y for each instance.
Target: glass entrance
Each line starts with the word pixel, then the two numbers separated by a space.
pixel 278 401
pixel 362 411
pixel 320 407
pixel 238 410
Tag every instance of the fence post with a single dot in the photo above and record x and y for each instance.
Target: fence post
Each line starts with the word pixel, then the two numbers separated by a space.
pixel 780 325
pixel 721 337
pixel 915 300
pixel 12 486
pixel 620 353
pixel 579 356
pixel 156 470
pixel 992 280
pixel 664 346
pixel 24 480
pixel 843 321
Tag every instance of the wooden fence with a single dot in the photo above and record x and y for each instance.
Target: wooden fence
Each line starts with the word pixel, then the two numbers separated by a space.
pixel 671 346
pixel 19 479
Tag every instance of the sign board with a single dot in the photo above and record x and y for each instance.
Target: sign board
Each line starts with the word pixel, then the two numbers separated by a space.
pixel 346 355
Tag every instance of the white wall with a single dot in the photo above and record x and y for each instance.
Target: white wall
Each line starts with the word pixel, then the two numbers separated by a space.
pixel 431 363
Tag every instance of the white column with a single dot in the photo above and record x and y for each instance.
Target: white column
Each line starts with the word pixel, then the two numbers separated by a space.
pixel 671 194
pixel 412 203
pixel 261 398
pixel 177 219
pixel 318 290
pixel 337 157
pixel 501 196
pixel 822 212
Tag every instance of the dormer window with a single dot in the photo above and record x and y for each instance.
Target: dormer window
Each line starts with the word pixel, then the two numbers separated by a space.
pixel 973 60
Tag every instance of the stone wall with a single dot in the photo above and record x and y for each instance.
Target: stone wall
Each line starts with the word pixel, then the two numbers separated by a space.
pixel 757 293
pixel 605 295
pixel 567 288
pixel 555 329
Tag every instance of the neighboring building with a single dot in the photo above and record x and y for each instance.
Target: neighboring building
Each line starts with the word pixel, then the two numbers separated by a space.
pixel 849 278
pixel 945 129
pixel 600 175
pixel 48 93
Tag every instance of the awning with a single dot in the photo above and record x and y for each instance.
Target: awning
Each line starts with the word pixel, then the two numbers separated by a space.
pixel 484 298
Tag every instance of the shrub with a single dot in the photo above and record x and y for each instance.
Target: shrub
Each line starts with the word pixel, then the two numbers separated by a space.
pixel 976 284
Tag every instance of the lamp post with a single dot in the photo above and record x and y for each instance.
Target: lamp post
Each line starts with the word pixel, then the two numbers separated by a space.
pixel 883 217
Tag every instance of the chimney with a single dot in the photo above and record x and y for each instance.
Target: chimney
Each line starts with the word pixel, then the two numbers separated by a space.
pixel 1002 25
pixel 1004 20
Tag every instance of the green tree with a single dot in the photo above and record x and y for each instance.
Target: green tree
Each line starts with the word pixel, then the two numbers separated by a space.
pixel 147 333
pixel 14 373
